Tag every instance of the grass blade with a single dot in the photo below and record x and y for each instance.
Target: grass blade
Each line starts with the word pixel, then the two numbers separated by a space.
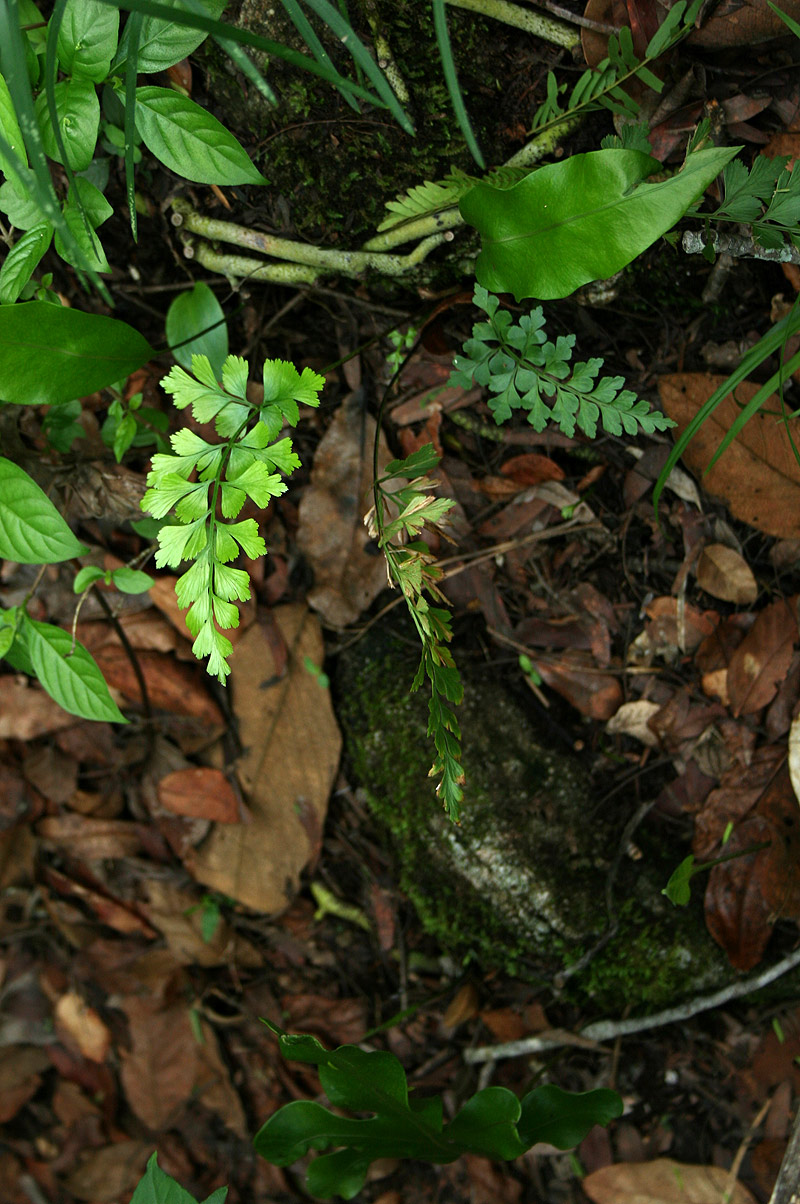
pixel 348 37
pixel 306 31
pixel 134 31
pixel 225 33
pixel 765 347
pixel 451 79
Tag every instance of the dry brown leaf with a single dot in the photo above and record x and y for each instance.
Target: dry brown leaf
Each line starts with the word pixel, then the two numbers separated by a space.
pixel 778 869
pixel 724 573
pixel 738 793
pixel 21 1068
pixel 27 712
pixel 463 1006
pixel 213 1087
pixel 158 1071
pixel 177 916
pixel 737 915
pixel 662 1182
pixel 742 23
pixel 575 676
pixel 757 476
pixel 349 571
pixel 201 793
pixel 632 719
pixel 292 745
pixel 111 1173
pixel 761 662
pixel 90 838
pixel 171 686
pixel 79 1025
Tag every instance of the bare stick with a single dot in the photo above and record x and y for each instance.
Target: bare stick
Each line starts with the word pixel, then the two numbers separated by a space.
pixel 609 1030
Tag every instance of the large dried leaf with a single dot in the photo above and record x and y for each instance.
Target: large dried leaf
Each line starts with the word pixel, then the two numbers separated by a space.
pixel 778 870
pixel 200 793
pixel 21 1069
pixel 158 1072
pixel 111 1173
pixel 724 573
pixel 737 915
pixel 743 23
pixel 171 686
pixel 576 677
pixel 662 1182
pixel 349 571
pixel 762 660
pixel 757 476
pixel 292 744
pixel 27 712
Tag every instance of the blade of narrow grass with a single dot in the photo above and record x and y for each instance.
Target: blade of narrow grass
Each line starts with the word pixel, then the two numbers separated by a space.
pixel 764 348
pixel 306 31
pixel 229 33
pixel 134 27
pixel 38 184
pixel 348 37
pixel 451 79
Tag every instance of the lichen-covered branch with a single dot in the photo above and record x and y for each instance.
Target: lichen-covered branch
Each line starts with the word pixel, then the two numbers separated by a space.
pixel 522 18
pixel 739 246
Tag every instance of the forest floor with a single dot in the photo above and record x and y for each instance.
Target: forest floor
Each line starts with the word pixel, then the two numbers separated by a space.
pixel 137 956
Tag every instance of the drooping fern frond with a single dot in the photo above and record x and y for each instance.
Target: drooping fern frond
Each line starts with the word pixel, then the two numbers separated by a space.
pixel 207 485
pixel 396 520
pixel 434 196
pixel 603 86
pixel 523 370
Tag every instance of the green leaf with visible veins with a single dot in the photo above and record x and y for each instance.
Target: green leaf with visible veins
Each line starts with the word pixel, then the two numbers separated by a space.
pixel 78 111
pixel 583 219
pixel 69 673
pixel 31 529
pixel 21 261
pixel 87 38
pixel 190 141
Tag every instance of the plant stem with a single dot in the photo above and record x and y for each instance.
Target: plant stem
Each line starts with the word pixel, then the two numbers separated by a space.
pixel 739 246
pixel 522 18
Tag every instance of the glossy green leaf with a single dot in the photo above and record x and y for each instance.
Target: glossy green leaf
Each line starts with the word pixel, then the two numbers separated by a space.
pixel 31 529
pixel 163 43
pixel 87 39
pixel 131 581
pixel 678 890
pixel 190 314
pixel 69 673
pixel 86 577
pixel 9 127
pixel 563 1118
pixel 584 219
pixel 6 639
pixel 84 201
pixel 157 1187
pixel 49 353
pixel 19 206
pixel 190 141
pixel 21 261
pixel 78 112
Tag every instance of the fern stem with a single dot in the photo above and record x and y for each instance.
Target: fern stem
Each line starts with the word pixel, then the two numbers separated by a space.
pixel 521 18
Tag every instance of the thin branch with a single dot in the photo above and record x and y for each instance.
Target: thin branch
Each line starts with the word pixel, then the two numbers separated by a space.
pixel 609 1030
pixel 739 246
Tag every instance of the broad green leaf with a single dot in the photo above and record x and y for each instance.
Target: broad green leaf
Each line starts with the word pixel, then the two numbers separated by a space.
pixel 563 1118
pixel 487 1124
pixel 163 43
pixel 49 353
pixel 157 1187
pixel 31 529
pixel 190 141
pixel 678 890
pixel 78 112
pixel 86 577
pixel 131 581
pixel 69 673
pixel 83 199
pixel 87 38
pixel 189 314
pixel 9 127
pixel 580 220
pixel 21 209
pixel 21 261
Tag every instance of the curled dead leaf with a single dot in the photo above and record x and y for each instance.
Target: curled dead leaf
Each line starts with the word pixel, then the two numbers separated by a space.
pixel 662 1181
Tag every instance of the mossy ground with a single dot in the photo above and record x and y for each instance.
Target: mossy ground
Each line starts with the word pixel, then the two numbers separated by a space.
pixel 659 953
pixel 332 170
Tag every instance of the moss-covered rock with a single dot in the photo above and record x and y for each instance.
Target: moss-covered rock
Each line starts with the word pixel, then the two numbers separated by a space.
pixel 521 882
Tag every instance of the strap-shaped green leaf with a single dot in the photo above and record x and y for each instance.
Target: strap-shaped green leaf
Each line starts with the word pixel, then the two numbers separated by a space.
pixel 69 673
pixel 584 219
pixel 31 529
pixel 190 141
pixel 49 353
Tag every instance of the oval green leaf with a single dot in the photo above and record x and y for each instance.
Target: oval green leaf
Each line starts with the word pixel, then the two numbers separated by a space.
pixel 31 529
pixel 87 38
pixel 190 313
pixel 21 261
pixel 569 223
pixel 69 673
pixel 162 43
pixel 78 111
pixel 49 353
pixel 189 141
